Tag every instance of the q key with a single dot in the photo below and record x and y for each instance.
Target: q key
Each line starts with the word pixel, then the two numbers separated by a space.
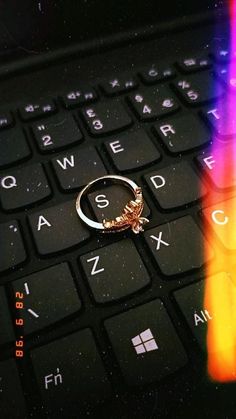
pixel 23 187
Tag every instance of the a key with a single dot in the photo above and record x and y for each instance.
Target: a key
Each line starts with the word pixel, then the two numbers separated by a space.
pixel 77 97
pixel 77 168
pixel 191 64
pixel 6 329
pixel 106 118
pixel 152 103
pixel 58 132
pixel 23 187
pixel 175 186
pixel 70 374
pixel 118 85
pixel 132 150
pixel 109 202
pixel 57 228
pixel 6 119
pixel 198 89
pixel 156 72
pixel 12 403
pixel 13 146
pixel 11 245
pixel 182 133
pixel 222 119
pixel 178 246
pixel 145 343
pixel 222 218
pixel 38 109
pixel 213 164
pixel 49 296
pixel 197 311
pixel 123 259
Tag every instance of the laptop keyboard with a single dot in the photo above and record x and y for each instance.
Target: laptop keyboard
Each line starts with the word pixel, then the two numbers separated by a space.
pixel 98 306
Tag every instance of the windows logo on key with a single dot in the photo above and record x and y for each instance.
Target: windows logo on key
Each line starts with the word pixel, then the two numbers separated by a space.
pixel 144 342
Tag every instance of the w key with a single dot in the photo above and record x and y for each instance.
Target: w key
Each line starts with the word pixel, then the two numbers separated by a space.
pixel 23 187
pixel 78 168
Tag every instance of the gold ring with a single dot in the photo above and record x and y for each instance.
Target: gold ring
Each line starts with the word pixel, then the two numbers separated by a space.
pixel 131 214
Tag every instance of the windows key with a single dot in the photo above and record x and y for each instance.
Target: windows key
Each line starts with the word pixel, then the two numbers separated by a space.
pixel 145 343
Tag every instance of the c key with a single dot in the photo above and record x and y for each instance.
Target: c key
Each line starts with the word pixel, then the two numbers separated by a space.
pixel 222 218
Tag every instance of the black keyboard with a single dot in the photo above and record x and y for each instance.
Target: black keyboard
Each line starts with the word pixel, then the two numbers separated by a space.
pixel 107 315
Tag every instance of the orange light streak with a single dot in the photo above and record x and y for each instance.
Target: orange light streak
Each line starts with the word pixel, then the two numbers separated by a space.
pixel 220 288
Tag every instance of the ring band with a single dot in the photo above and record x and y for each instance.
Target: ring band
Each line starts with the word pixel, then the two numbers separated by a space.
pixel 131 215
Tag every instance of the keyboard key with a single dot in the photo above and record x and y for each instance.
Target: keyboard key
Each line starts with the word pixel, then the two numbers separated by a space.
pixel 145 343
pixel 223 124
pixel 59 131
pixel 155 73
pixel 121 258
pixel 222 218
pixel 118 85
pixel 6 119
pixel 76 169
pixel 175 186
pixel 78 97
pixel 222 55
pixel 6 329
pixel 23 187
pixel 178 246
pixel 174 133
pixel 191 302
pixel 70 374
pixel 213 165
pixel 200 314
pixel 198 89
pixel 13 146
pixel 106 118
pixel 57 228
pixel 150 104
pixel 192 64
pixel 109 202
pixel 37 110
pixel 11 245
pixel 49 296
pixel 12 403
pixel 227 76
pixel 131 151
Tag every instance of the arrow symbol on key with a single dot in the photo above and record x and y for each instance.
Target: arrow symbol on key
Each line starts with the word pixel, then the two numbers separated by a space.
pixel 33 313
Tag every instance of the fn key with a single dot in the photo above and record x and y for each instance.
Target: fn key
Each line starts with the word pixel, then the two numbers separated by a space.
pixel 70 374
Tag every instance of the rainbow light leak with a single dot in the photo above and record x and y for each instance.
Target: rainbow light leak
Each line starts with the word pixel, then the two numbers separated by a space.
pixel 220 288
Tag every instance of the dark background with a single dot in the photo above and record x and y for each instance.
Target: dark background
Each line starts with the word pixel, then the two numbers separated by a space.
pixel 40 25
